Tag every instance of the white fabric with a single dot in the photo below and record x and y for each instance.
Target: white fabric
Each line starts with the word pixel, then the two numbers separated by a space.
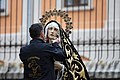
pixel 60 73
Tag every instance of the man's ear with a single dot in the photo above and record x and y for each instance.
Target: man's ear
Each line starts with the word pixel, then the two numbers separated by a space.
pixel 42 35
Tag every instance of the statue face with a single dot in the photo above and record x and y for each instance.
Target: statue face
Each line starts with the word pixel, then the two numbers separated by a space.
pixel 52 33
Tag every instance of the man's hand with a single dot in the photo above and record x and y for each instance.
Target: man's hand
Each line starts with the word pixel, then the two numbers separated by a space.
pixel 58 65
pixel 56 40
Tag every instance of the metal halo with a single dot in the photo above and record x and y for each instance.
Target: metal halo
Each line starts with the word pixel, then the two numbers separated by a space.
pixel 60 13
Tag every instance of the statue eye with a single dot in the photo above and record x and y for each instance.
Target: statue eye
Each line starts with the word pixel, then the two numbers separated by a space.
pixel 56 29
pixel 50 28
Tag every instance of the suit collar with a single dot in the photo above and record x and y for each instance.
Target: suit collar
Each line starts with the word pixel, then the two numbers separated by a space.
pixel 36 40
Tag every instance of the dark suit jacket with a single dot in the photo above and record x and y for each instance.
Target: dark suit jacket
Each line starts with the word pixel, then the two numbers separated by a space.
pixel 38 59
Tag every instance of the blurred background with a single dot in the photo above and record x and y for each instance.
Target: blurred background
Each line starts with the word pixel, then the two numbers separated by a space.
pixel 95 33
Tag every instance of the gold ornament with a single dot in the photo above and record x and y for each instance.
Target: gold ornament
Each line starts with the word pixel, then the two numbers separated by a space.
pixel 60 13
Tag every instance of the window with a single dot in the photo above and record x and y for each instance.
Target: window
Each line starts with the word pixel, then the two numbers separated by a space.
pixel 3 7
pixel 71 3
pixel 74 4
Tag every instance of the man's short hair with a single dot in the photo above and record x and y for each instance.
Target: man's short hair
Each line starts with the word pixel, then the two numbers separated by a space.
pixel 35 30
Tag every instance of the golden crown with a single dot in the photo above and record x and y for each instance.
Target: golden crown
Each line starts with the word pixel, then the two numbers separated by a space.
pixel 60 13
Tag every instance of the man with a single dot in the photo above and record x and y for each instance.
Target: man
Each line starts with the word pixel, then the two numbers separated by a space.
pixel 38 57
